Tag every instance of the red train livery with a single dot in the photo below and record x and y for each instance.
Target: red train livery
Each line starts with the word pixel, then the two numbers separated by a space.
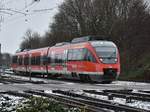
pixel 85 58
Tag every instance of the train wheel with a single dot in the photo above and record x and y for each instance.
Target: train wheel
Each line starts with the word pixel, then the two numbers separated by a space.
pixel 85 78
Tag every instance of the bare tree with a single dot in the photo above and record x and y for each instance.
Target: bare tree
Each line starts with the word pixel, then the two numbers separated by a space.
pixel 31 40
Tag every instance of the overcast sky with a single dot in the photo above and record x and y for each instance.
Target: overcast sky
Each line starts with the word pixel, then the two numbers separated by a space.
pixel 14 26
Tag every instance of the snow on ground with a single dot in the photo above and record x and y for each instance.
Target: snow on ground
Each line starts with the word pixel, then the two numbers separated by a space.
pixel 8 103
pixel 140 104
pixel 129 83
pixel 126 83
pixel 134 103
pixel 48 91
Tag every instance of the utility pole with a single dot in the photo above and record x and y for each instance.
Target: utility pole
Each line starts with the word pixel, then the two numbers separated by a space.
pixel 0 61
pixel 0 55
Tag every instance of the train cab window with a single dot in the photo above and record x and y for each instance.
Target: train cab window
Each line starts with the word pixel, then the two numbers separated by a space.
pixel 14 59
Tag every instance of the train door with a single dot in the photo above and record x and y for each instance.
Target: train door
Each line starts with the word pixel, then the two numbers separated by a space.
pixel 87 67
pixel 74 59
pixel 26 62
pixel 59 62
pixel 65 61
pixel 81 63
pixel 54 63
pixel 44 63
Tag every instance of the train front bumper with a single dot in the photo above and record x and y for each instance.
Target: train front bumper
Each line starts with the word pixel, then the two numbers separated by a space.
pixel 106 75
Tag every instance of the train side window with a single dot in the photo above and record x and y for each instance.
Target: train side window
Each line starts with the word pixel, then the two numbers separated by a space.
pixel 60 60
pixel 26 60
pixel 37 60
pixel 49 59
pixel 76 54
pixel 45 60
pixel 70 54
pixel 32 60
pixel 89 56
pixel 14 59
pixel 20 60
pixel 52 57
pixel 63 57
pixel 80 54
pixel 57 58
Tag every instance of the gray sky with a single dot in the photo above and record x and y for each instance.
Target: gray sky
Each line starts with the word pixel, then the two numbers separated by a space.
pixel 14 26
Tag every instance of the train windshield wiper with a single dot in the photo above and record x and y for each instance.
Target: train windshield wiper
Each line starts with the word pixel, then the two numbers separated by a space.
pixel 111 55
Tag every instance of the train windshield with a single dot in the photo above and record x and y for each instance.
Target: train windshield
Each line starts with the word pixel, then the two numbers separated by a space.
pixel 106 51
pixel 107 54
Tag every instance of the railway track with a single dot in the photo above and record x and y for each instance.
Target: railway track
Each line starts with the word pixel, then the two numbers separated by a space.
pixel 61 99
pixel 75 99
pixel 71 99
pixel 102 103
pixel 126 94
pixel 10 80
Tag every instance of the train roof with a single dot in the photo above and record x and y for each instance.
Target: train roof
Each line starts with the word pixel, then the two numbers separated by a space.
pixel 102 43
pixel 76 42
pixel 39 49
pixel 89 38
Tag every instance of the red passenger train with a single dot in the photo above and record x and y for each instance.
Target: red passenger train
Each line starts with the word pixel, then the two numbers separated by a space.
pixel 85 58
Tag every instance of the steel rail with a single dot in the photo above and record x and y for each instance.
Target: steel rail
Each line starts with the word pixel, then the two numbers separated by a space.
pixel 8 80
pixel 128 97
pixel 124 94
pixel 101 103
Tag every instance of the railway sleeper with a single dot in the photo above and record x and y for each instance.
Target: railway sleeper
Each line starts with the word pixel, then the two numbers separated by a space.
pixel 103 103
pixel 129 97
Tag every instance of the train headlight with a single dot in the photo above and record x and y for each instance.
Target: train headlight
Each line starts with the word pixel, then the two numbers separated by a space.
pixel 115 59
pixel 101 59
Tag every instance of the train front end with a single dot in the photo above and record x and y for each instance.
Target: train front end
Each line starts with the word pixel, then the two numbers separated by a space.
pixel 108 58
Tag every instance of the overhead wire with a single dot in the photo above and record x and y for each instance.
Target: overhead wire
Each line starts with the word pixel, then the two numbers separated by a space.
pixel 4 12
pixel 27 13
pixel 12 10
pixel 30 14
pixel 26 6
